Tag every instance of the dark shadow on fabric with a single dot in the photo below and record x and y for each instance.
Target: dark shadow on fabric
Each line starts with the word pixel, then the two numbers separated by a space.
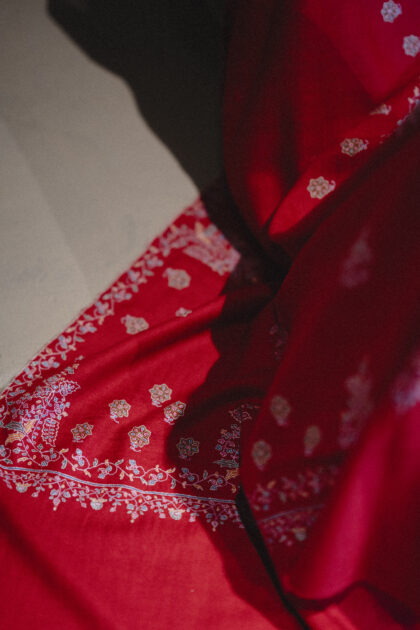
pixel 170 55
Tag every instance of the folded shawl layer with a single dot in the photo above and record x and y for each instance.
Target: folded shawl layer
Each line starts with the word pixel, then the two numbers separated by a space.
pixel 322 155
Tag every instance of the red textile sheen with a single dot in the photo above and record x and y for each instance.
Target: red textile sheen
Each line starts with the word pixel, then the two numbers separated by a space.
pixel 210 366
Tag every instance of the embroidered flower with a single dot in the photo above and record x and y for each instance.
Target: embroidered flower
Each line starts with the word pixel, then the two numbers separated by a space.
pixel 390 11
pixel 300 533
pixel 160 394
pixel 81 431
pixel 175 513
pixel 97 504
pixel 406 391
pixel 173 411
pixel 280 409
pixel 213 249
pixel 411 45
pixel 355 269
pixel 182 312
pixel 177 278
pixel 359 406
pixel 134 325
pixel 139 437
pixel 311 439
pixel 352 146
pixel 119 409
pixel 320 187
pixel 261 453
pixel 382 109
pixel 187 447
pixel 22 487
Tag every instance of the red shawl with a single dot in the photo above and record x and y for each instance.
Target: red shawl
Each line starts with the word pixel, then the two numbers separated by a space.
pixel 228 437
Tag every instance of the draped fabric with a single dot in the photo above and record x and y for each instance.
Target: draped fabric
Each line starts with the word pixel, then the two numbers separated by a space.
pixel 228 437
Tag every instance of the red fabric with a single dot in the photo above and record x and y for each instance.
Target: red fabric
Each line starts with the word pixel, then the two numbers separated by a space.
pixel 121 442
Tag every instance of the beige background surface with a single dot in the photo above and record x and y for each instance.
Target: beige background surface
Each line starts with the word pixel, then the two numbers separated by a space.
pixel 87 178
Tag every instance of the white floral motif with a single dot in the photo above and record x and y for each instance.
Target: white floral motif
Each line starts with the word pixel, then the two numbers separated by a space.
pixel 355 269
pixel 213 249
pixel 390 11
pixel 406 391
pixel 81 431
pixel 382 109
pixel 359 406
pixel 182 312
pixel 160 394
pixel 280 408
pixel 119 409
pixel 320 187
pixel 411 45
pixel 134 325
pixel 139 437
pixel 311 439
pixel 352 146
pixel 175 513
pixel 261 453
pixel 174 411
pixel 177 278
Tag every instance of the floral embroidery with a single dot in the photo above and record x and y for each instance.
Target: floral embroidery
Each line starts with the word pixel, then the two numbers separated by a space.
pixel 139 437
pixel 182 312
pixel 61 488
pixel 303 486
pixel 119 409
pixel 288 528
pixel 187 447
pixel 320 187
pixel 411 45
pixel 261 453
pixel 406 391
pixel 160 394
pixel 97 493
pixel 311 439
pixel 280 409
pixel 176 237
pixel 174 411
pixel 175 513
pixel 227 445
pixel 40 411
pixel 382 109
pixel 352 146
pixel 177 278
pixel 213 249
pixel 81 431
pixel 134 325
pixel 390 11
pixel 359 406
pixel 355 269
